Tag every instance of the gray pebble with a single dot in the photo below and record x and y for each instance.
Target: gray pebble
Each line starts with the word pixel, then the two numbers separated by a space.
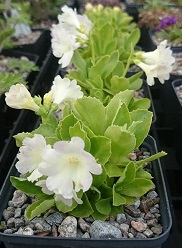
pixel 157 229
pixel 19 199
pixel 131 210
pixel 148 233
pixel 17 213
pixel 68 227
pixel 101 229
pixel 18 222
pixel 8 231
pixel 8 213
pixel 84 226
pixel 86 236
pixel 124 228
pixel 11 222
pixel 140 236
pixel 121 218
pixel 27 231
pixel 55 218
pixel 152 194
pixel 42 222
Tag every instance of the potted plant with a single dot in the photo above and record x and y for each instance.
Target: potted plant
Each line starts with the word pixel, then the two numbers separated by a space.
pixel 109 176
pixel 150 20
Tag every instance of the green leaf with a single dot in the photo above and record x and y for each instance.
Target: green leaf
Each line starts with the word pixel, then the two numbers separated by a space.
pixel 104 206
pixel 113 170
pixel 138 187
pixel 77 131
pixel 104 66
pixel 20 137
pixel 133 38
pixel 118 199
pixel 101 148
pixel 143 174
pixel 91 110
pixel 65 124
pixel 39 207
pixel 83 210
pixel 122 142
pixel 140 163
pixel 144 119
pixel 25 186
pixel 119 84
pixel 142 103
pixel 46 130
pixel 128 176
pixel 51 140
pixel 65 208
pixel 79 62
pixel 123 116
pixel 135 82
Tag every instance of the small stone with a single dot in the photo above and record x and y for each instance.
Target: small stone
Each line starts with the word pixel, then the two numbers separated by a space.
pixel 157 229
pixel 152 194
pixel 42 222
pixel 18 222
pixel 131 210
pixel 68 227
pixel 89 219
pixel 86 236
pixel 149 216
pixel 140 236
pixel 84 226
pixel 27 231
pixel 154 210
pixel 139 226
pixel 152 222
pixel 11 222
pixel 136 203
pixel 54 231
pixel 55 218
pixel 8 231
pixel 102 229
pixel 19 199
pixel 8 213
pixel 120 218
pixel 124 228
pixel 20 231
pixel 147 203
pixel 38 226
pixel 148 233
pixel 130 235
pixel 17 213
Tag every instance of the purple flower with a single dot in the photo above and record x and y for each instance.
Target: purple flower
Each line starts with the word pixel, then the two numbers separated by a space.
pixel 166 22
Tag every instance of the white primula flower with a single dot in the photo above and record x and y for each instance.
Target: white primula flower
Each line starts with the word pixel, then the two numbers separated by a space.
pixel 63 44
pixel 68 168
pixel 157 64
pixel 71 18
pixel 63 90
pixel 19 97
pixel 30 156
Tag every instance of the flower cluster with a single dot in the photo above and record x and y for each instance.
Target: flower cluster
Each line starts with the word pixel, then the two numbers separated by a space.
pixel 91 122
pixel 69 34
pixel 167 22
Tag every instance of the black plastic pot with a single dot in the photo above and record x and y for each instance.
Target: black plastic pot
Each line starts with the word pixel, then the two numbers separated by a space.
pixel 178 121
pixel 40 47
pixel 132 8
pixel 17 241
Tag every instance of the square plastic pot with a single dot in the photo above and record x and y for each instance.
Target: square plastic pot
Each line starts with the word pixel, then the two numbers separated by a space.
pixel 21 241
pixel 178 121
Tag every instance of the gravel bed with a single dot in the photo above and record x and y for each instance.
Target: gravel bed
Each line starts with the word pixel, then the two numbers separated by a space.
pixel 140 220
